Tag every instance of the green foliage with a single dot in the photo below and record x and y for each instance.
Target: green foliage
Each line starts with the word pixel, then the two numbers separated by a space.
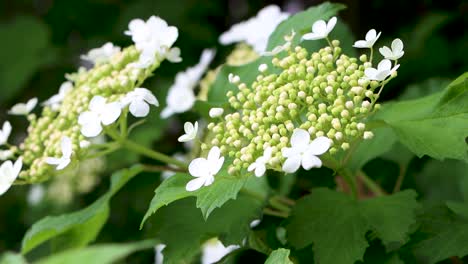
pixel 434 125
pixel 302 22
pixel 333 222
pixel 279 256
pixel 79 228
pixel 12 258
pixel 97 254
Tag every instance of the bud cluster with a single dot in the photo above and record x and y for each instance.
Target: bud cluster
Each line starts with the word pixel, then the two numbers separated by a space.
pixel 323 93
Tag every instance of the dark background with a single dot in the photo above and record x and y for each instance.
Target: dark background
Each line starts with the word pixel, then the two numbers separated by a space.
pixel 41 40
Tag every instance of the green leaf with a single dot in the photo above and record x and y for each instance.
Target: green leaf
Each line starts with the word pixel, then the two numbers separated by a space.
pixel 21 59
pixel 12 258
pixel 182 228
pixel 302 22
pixel 279 256
pixel 224 188
pixel 434 125
pixel 336 225
pixel 79 228
pixel 97 254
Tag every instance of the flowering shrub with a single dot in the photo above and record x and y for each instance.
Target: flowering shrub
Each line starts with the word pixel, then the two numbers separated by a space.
pixel 291 101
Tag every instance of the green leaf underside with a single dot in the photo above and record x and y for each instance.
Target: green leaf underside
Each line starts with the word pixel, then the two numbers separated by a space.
pixel 435 125
pixel 333 222
pixel 97 254
pixel 79 228
pixel 302 22
pixel 182 228
pixel 279 256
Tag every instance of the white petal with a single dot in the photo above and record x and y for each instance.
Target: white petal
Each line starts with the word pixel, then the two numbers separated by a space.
pixel 319 27
pixel 52 161
pixel 66 145
pixel 195 184
pixel 319 145
pixel 110 113
pixel 313 36
pixel 139 108
pixel 31 104
pixel 386 52
pixel 267 153
pixel 310 161
pixel 292 164
pixel 97 102
pixel 252 166
pixel 64 163
pixel 188 128
pixel 370 35
pixel 166 112
pixel 397 45
pixel 147 95
pixel 216 112
pixel 384 65
pixel 17 167
pixel 380 76
pixel 331 24
pixel 184 138
pixel 361 44
pixel 370 73
pixel 173 55
pixel 260 170
pixel 198 167
pixel 299 138
pixel 288 152
pixel 214 154
pixel 91 129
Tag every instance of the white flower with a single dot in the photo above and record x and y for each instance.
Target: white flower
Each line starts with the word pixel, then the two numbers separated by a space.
pixel 260 163
pixel 384 69
pixel 303 152
pixel 152 37
pixel 173 55
pixel 35 194
pixel 5 154
pixel 234 79
pixel 257 30
pixel 289 38
pixel 191 131
pixel 216 112
pixel 395 53
pixel 181 97
pixel 371 38
pixel 101 54
pixel 8 174
pixel 320 29
pixel 23 108
pixel 205 169
pixel 139 101
pixel 158 255
pixel 62 162
pixel 55 101
pixel 101 113
pixel 214 251
pixel 5 133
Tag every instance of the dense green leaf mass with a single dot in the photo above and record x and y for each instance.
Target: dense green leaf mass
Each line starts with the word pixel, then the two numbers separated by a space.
pixel 333 222
pixel 79 228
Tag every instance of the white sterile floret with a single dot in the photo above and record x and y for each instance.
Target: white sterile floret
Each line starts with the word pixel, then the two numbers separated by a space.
pixel 384 69
pixel 234 79
pixel 102 54
pixel 259 166
pixel 263 67
pixel 205 169
pixel 5 133
pixel 152 37
pixel 5 154
pixel 303 152
pixel 395 53
pixel 55 101
pixel 181 97
pixel 216 112
pixel 158 255
pixel 214 251
pixel 190 130
pixel 23 108
pixel 100 113
pixel 138 101
pixel 8 174
pixel 371 38
pixel 320 29
pixel 62 162
pixel 173 55
pixel 256 30
pixel 288 41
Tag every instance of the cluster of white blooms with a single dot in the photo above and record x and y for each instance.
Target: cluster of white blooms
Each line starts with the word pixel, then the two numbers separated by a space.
pixel 89 102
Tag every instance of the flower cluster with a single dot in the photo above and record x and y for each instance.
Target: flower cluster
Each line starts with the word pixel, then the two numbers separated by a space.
pixel 89 102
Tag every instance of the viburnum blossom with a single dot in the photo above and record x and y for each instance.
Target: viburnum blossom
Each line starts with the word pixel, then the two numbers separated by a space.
pixel 288 40
pixel 5 132
pixel 257 30
pixel 303 152
pixel 395 53
pixel 190 130
pixel 181 97
pixel 205 169
pixel 320 29
pixel 5 154
pixel 55 101
pixel 216 112
pixel 8 174
pixel 23 108
pixel 384 69
pixel 371 38
pixel 62 162
pixel 259 166
pixel 100 113
pixel 139 100
pixel 214 251
pixel 101 54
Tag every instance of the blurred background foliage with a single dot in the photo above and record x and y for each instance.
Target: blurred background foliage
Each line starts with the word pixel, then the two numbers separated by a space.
pixel 42 40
